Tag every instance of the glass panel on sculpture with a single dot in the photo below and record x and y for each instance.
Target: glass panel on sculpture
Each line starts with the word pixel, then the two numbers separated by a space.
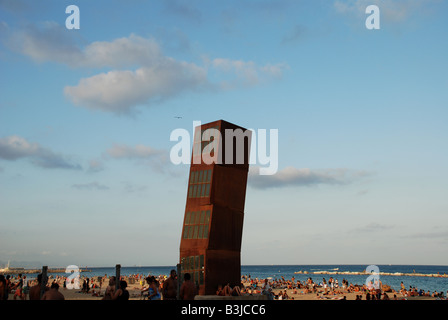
pixel 203 190
pixel 195 234
pixel 207 190
pixel 205 236
pixel 202 220
pixel 209 175
pixel 197 217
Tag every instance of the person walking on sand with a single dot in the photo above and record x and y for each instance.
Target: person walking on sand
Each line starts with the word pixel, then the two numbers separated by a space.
pixel 169 290
pixel 188 289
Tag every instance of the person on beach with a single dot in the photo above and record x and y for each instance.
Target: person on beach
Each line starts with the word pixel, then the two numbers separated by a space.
pixel 169 290
pixel 3 288
pixel 34 292
pixel 220 292
pixel 18 287
pixel 187 289
pixel 153 289
pixel 53 293
pixel 25 287
pixel 267 290
pixel 121 294
pixel 110 290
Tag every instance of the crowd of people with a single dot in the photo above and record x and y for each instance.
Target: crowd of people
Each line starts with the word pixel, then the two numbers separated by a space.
pixel 325 289
pixel 151 287
pixel 166 288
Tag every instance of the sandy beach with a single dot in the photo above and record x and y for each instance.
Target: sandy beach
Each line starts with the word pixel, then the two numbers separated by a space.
pixel 134 291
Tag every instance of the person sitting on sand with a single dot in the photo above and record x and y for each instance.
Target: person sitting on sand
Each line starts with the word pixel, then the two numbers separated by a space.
pixel 53 293
pixel 236 291
pixel 220 291
pixel 227 290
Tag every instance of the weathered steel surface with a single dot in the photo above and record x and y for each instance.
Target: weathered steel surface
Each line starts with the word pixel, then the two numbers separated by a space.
pixel 213 256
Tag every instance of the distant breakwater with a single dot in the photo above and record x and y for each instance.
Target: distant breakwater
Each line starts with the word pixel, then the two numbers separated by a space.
pixel 30 271
pixel 399 274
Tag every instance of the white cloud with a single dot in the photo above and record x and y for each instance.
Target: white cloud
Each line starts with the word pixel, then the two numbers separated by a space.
pixel 15 147
pixel 291 176
pixel 45 42
pixel 151 76
pixel 48 42
pixel 120 91
pixel 123 52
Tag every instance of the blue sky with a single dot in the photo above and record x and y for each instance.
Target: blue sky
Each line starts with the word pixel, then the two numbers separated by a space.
pixel 86 117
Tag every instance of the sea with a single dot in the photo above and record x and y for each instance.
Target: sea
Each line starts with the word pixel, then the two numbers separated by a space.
pixel 433 284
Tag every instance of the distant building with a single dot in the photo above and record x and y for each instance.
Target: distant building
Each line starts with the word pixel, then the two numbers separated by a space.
pixel 210 248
